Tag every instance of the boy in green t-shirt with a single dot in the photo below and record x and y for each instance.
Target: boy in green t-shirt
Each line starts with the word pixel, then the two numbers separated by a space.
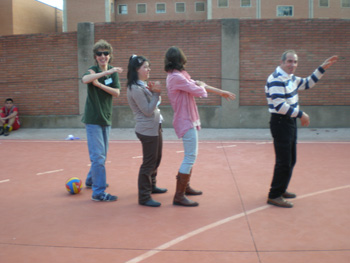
pixel 103 84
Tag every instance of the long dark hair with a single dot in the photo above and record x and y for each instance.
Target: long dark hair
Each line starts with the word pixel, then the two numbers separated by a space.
pixel 174 59
pixel 135 62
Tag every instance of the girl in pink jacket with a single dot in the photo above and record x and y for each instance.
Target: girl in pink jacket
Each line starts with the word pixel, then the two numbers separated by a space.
pixel 182 91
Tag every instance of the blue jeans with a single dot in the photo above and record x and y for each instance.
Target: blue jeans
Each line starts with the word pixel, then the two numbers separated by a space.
pixel 190 143
pixel 97 139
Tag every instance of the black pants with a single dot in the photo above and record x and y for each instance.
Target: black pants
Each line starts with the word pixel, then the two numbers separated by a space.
pixel 284 133
pixel 152 155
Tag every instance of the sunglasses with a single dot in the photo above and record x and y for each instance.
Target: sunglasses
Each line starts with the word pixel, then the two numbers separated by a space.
pixel 99 53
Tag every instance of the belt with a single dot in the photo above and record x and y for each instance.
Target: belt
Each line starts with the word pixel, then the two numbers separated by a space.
pixel 281 116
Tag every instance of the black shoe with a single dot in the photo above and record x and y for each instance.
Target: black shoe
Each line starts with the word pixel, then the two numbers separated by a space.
pixel 151 203
pixel 280 202
pixel 105 197
pixel 158 190
pixel 289 195
pixel 7 131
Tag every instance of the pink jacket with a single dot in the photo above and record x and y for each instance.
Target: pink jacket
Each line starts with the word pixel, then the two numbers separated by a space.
pixel 182 91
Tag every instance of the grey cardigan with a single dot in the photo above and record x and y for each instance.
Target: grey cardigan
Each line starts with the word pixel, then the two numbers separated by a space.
pixel 144 106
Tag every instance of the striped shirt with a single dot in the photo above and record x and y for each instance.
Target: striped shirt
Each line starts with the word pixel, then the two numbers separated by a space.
pixel 281 91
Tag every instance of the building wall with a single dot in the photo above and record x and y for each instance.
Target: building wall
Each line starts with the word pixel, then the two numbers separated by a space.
pixel 302 9
pixel 152 15
pixel 43 71
pixel 28 17
pixel 234 10
pixel 334 10
pixel 6 17
pixel 79 11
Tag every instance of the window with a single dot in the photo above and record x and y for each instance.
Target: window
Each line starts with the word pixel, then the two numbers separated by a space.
pixel 180 7
pixel 345 3
pixel 200 7
pixel 283 10
pixel 141 8
pixel 160 8
pixel 323 3
pixel 246 3
pixel 222 3
pixel 122 9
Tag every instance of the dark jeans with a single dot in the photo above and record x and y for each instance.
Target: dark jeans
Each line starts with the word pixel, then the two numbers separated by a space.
pixel 284 133
pixel 152 155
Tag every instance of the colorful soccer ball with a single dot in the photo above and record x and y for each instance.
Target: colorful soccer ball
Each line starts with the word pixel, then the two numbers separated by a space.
pixel 74 185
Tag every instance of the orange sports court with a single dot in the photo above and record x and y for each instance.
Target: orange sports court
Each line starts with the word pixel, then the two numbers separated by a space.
pixel 41 222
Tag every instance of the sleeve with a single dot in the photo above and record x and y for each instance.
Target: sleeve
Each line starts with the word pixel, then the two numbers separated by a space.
pixel 179 82
pixel 310 81
pixel 88 72
pixel 116 83
pixel 145 106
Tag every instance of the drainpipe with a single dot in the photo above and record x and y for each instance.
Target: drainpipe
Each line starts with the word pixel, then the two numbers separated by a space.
pixel 64 24
pixel 311 8
pixel 209 9
pixel 258 9
pixel 108 11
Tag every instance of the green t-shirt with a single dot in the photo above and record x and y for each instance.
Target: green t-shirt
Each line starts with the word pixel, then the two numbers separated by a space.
pixel 99 104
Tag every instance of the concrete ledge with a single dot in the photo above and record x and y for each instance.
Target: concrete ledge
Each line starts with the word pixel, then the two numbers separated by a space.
pixel 304 134
pixel 251 117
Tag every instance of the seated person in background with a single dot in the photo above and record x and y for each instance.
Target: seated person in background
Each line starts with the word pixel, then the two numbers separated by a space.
pixel 9 119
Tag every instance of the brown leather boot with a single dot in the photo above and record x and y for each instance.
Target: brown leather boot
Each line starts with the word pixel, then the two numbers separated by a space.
pixel 190 190
pixel 181 184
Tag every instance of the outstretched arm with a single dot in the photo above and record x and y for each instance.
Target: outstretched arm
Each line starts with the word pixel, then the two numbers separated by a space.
pixel 305 119
pixel 223 93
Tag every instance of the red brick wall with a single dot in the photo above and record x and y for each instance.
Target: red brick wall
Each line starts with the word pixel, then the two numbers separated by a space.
pixel 262 43
pixel 200 41
pixel 40 71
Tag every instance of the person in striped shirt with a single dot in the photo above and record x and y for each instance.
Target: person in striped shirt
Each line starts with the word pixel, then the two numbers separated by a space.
pixel 281 91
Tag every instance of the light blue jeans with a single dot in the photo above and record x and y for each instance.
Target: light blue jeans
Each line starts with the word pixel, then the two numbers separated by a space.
pixel 190 143
pixel 97 139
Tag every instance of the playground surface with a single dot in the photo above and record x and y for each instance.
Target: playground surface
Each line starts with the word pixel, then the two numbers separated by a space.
pixel 41 222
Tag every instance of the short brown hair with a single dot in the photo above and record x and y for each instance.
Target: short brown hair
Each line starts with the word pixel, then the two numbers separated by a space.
pixel 103 44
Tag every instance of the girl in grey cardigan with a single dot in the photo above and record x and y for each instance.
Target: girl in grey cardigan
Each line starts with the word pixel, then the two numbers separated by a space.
pixel 144 99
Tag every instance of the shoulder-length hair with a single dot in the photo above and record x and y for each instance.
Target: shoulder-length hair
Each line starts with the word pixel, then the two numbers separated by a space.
pixel 174 59
pixel 104 45
pixel 135 63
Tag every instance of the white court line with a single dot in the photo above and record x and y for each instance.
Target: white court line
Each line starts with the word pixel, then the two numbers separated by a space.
pixel 50 172
pixel 215 224
pixel 227 146
pixel 137 157
pixel 5 181
pixel 180 151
